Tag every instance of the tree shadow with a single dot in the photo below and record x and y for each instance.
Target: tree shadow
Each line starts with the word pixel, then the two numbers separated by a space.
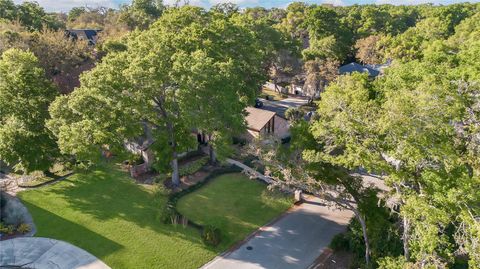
pixel 294 241
pixel 108 193
pixel 68 231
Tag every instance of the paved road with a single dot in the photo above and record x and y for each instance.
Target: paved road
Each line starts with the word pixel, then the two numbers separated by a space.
pixel 294 241
pixel 45 253
pixel 281 106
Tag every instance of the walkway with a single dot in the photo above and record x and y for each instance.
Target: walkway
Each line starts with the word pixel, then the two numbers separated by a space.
pixel 293 241
pixel 44 253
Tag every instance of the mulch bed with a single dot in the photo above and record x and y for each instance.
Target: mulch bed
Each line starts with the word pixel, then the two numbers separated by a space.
pixel 190 180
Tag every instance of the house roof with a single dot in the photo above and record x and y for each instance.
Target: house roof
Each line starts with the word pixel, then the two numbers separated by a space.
pixel 356 67
pixel 85 34
pixel 258 118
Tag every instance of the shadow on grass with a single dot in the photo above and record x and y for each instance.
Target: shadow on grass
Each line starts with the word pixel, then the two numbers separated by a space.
pixel 107 193
pixel 68 231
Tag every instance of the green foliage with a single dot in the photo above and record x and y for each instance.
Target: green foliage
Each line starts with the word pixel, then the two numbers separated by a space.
pixel 23 228
pixel 7 229
pixel 25 94
pixel 141 13
pixel 30 14
pixel 340 242
pixel 192 167
pixel 211 235
pixel 294 114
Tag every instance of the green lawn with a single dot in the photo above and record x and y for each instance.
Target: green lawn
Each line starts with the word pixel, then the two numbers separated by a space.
pixel 234 204
pixel 105 213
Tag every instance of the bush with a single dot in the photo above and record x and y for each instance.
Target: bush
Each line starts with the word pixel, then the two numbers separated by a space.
pixel 340 242
pixel 23 228
pixel 211 236
pixel 168 215
pixel 6 229
pixel 193 167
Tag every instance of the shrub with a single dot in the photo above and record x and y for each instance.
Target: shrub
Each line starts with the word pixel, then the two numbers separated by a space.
pixel 340 242
pixel 6 229
pixel 211 236
pixel 168 215
pixel 2 227
pixel 23 228
pixel 192 167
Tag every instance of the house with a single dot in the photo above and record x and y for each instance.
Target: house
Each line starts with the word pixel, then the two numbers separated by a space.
pixel 90 35
pixel 356 67
pixel 262 122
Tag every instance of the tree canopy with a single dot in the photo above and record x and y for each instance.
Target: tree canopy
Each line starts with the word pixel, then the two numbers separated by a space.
pixel 25 95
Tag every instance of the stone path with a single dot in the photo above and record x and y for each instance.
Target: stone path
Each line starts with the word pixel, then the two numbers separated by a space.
pixel 45 253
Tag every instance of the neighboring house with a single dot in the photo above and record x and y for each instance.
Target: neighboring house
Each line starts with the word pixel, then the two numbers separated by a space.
pixel 356 67
pixel 380 67
pixel 262 122
pixel 90 35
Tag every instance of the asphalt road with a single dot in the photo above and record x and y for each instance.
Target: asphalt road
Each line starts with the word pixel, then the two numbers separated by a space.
pixel 281 106
pixel 294 241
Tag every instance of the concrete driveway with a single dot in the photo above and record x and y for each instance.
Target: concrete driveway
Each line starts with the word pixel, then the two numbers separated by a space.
pixel 293 241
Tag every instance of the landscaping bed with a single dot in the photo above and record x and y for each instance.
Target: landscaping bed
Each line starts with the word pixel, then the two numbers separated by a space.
pixel 38 179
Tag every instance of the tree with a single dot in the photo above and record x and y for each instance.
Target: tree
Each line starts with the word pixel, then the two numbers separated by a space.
pixel 368 51
pixel 141 13
pixel 63 59
pixel 8 10
pixel 319 73
pixel 166 83
pixel 25 95
pixel 75 12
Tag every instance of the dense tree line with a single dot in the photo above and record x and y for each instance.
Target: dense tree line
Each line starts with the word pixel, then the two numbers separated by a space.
pixel 418 126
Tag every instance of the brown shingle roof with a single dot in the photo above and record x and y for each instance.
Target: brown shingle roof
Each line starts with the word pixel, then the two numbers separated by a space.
pixel 257 118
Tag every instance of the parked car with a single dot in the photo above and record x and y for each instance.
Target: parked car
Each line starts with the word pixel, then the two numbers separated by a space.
pixel 258 103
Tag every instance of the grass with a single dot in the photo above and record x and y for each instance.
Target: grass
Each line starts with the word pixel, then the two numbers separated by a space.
pixel 107 214
pixel 276 95
pixel 235 205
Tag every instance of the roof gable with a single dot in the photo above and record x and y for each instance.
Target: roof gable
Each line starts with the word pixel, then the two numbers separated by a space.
pixel 258 118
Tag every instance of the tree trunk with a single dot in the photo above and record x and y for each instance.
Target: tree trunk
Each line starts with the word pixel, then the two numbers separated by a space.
pixel 174 163
pixel 406 238
pixel 175 174
pixel 363 223
pixel 213 156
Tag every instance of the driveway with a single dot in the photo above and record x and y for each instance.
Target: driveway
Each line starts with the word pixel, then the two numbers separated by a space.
pixel 281 106
pixel 295 240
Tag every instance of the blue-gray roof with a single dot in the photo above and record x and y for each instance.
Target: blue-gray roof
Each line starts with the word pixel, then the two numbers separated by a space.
pixel 355 67
pixel 85 34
